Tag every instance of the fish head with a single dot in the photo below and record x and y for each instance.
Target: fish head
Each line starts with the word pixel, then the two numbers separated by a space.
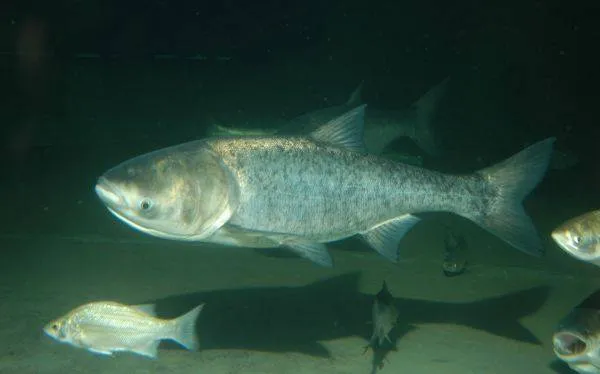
pixel 182 192
pixel 577 340
pixel 580 237
pixel 57 329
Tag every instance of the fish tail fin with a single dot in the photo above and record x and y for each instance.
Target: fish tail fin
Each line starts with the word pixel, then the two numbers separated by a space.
pixel 184 329
pixel 355 98
pixel 426 108
pixel 506 185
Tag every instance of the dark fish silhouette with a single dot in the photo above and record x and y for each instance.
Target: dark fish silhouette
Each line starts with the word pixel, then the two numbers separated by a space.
pixel 455 254
pixel 385 317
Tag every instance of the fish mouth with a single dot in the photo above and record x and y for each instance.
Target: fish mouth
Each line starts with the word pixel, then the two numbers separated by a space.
pixel 568 344
pixel 107 192
pixel 114 201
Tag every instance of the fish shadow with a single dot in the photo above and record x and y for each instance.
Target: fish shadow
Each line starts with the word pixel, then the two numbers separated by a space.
pixel 561 367
pixel 297 319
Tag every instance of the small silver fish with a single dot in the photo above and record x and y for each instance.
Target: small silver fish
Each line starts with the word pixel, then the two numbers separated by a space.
pixel 105 327
pixel 385 317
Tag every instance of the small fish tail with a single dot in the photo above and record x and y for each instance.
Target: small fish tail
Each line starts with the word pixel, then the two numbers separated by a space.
pixel 507 184
pixel 184 329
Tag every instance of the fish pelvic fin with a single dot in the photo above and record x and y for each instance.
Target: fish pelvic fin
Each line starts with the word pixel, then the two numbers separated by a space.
pixel 507 184
pixel 315 252
pixel 184 329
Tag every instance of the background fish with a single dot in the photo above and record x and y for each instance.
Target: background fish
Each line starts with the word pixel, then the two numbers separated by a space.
pixel 385 317
pixel 105 327
pixel 455 254
pixel 382 127
pixel 580 237
pixel 576 340
pixel 302 191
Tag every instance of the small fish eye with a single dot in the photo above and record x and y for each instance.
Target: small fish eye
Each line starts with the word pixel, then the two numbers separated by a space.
pixel 145 204
pixel 54 327
pixel 576 239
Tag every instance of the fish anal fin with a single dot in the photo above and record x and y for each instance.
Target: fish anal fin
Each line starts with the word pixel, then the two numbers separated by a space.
pixel 385 237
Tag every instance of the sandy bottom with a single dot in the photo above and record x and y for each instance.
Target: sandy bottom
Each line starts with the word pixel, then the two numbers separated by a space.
pixel 272 313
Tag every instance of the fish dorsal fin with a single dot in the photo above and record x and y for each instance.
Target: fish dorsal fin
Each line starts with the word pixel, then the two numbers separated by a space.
pixel 356 96
pixel 345 131
pixel 149 309
pixel 384 294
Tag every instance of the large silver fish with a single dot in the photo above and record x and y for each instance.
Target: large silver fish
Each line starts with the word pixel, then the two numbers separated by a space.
pixel 105 327
pixel 300 192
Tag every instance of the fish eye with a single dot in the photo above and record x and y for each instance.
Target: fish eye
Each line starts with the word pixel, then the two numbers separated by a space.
pixel 54 327
pixel 576 239
pixel 145 204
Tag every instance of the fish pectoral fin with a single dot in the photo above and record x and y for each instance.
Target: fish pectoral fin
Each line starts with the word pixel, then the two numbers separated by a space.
pixel 385 237
pixel 149 309
pixel 149 349
pixel 316 252
pixel 100 351
pixel 345 131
